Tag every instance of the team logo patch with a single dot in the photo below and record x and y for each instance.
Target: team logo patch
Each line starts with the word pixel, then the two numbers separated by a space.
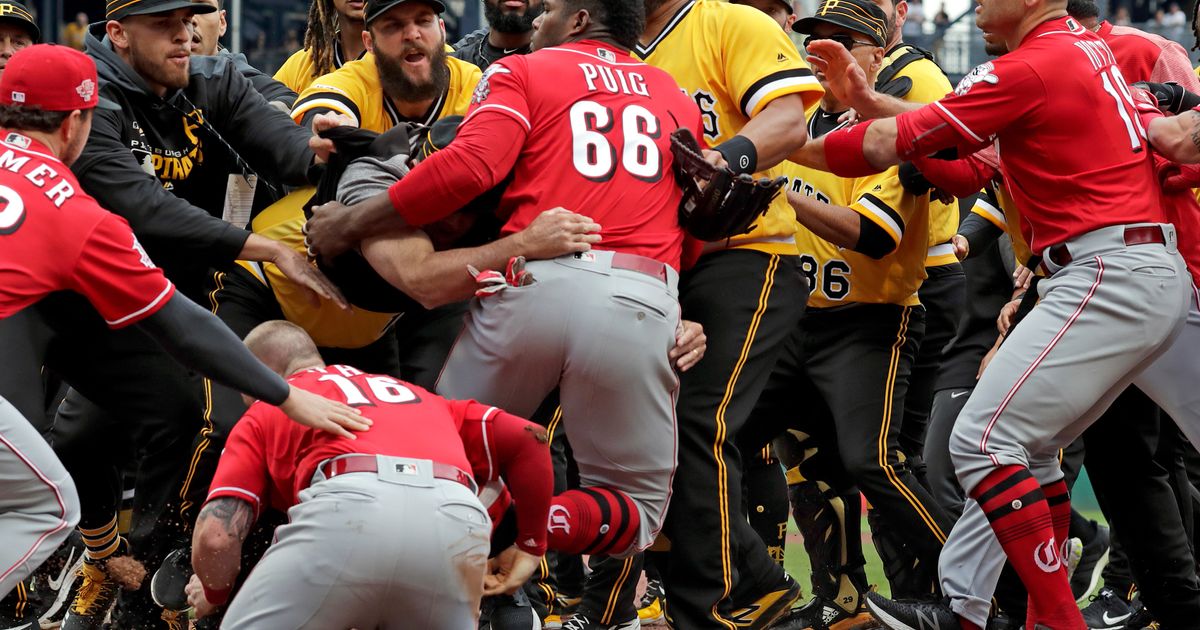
pixel 1046 556
pixel 606 54
pixel 86 90
pixel 143 257
pixel 560 520
pixel 18 97
pixel 983 73
pixel 482 89
pixel 17 140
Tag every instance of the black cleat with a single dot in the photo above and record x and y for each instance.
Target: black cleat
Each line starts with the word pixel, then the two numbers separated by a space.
pixel 1091 564
pixel 166 587
pixel 1107 611
pixel 912 615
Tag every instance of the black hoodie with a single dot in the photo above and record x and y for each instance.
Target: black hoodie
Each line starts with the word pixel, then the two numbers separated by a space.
pixel 157 165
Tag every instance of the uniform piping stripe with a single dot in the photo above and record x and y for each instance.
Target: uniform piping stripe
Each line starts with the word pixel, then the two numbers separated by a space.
pixel 883 213
pixel 958 123
pixel 145 309
pixel 881 444
pixel 772 82
pixel 62 507
pixel 718 444
pixel 208 428
pixel 645 51
pixel 327 101
pixel 510 111
pixel 553 424
pixel 611 607
pixel 984 208
pixel 487 446
pixel 236 489
pixel 611 63
pixel 1038 361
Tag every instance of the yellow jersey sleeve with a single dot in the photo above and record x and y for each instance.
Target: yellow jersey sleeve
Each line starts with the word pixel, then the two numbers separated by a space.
pixel 464 76
pixel 296 72
pixel 1012 220
pixel 986 207
pixel 882 200
pixel 760 63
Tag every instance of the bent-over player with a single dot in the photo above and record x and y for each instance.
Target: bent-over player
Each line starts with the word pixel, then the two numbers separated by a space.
pixel 385 531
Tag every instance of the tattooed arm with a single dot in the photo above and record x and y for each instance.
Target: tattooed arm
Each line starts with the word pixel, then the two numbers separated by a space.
pixel 1177 137
pixel 221 528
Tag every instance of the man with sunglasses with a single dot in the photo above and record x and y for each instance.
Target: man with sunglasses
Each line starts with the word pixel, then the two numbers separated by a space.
pixel 862 244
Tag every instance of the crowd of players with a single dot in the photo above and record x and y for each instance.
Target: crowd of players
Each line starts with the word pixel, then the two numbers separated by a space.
pixel 952 308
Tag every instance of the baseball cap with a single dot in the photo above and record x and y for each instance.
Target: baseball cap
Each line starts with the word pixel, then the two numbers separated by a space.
pixel 860 16
pixel 376 8
pixel 121 9
pixel 15 12
pixel 52 78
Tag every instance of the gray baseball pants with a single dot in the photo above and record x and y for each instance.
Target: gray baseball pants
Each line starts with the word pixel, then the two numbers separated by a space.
pixel 372 550
pixel 601 334
pixel 1102 320
pixel 38 503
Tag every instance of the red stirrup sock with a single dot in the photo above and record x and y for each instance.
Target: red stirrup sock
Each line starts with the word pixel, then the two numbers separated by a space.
pixel 1014 504
pixel 593 520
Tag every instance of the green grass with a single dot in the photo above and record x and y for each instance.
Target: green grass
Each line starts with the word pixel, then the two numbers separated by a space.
pixel 796 560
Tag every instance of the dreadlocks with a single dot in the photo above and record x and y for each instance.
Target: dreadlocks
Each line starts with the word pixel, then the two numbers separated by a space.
pixel 321 34
pixel 1195 31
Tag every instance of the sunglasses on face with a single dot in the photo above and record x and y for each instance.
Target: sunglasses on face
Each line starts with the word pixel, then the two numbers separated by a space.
pixel 846 41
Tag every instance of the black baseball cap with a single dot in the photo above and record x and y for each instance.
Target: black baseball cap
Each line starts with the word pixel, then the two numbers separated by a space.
pixel 17 13
pixel 121 9
pixel 376 8
pixel 860 16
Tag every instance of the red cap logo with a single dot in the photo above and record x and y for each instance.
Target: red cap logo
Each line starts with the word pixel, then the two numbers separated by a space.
pixel 86 89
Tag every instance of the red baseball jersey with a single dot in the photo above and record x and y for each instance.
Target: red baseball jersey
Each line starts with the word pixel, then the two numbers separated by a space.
pixel 1073 151
pixel 268 459
pixel 599 124
pixel 54 237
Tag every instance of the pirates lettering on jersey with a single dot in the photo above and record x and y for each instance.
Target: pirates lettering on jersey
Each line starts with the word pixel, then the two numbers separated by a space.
pixel 708 115
pixel 614 80
pixel 797 185
pixel 171 164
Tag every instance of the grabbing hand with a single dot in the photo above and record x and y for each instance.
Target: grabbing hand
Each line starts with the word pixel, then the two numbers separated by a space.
pixel 962 247
pixel 690 344
pixel 1005 321
pixel 311 410
pixel 196 599
pixel 326 234
pixel 323 147
pixel 508 571
pixel 309 278
pixel 556 232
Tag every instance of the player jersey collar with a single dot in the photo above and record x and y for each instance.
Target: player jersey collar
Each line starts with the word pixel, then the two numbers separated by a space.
pixel 642 52
pixel 24 143
pixel 428 118
pixel 1065 25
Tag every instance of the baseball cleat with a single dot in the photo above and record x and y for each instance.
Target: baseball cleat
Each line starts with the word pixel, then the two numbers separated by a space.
pixel 583 622
pixel 821 614
pixel 1095 558
pixel 769 608
pixel 912 615
pixel 96 595
pixel 650 609
pixel 1107 611
pixel 512 612
pixel 166 587
pixel 41 600
pixel 1072 555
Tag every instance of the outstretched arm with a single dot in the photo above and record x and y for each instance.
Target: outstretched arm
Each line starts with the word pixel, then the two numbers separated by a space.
pixel 221 528
pixel 1177 137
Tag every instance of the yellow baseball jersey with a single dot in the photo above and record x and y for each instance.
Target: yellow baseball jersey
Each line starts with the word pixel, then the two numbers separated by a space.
pixel 297 71
pixel 328 325
pixel 733 60
pixel 1002 212
pixel 840 276
pixel 355 90
pixel 930 84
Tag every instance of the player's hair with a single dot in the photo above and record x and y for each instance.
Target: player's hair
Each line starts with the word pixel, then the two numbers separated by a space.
pixel 1082 9
pixel 283 346
pixel 623 19
pixel 22 118
pixel 1195 13
pixel 320 36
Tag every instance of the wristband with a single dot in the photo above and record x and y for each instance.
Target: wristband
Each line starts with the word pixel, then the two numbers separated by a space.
pixel 216 596
pixel 740 153
pixel 844 152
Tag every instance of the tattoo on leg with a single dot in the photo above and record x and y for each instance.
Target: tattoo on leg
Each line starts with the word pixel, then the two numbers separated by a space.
pixel 235 515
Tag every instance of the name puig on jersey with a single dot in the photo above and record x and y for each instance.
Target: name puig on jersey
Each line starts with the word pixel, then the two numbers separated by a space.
pixel 40 175
pixel 614 80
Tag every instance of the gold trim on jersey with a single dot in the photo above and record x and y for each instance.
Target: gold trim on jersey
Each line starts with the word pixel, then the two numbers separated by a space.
pixel 645 51
pixel 940 255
